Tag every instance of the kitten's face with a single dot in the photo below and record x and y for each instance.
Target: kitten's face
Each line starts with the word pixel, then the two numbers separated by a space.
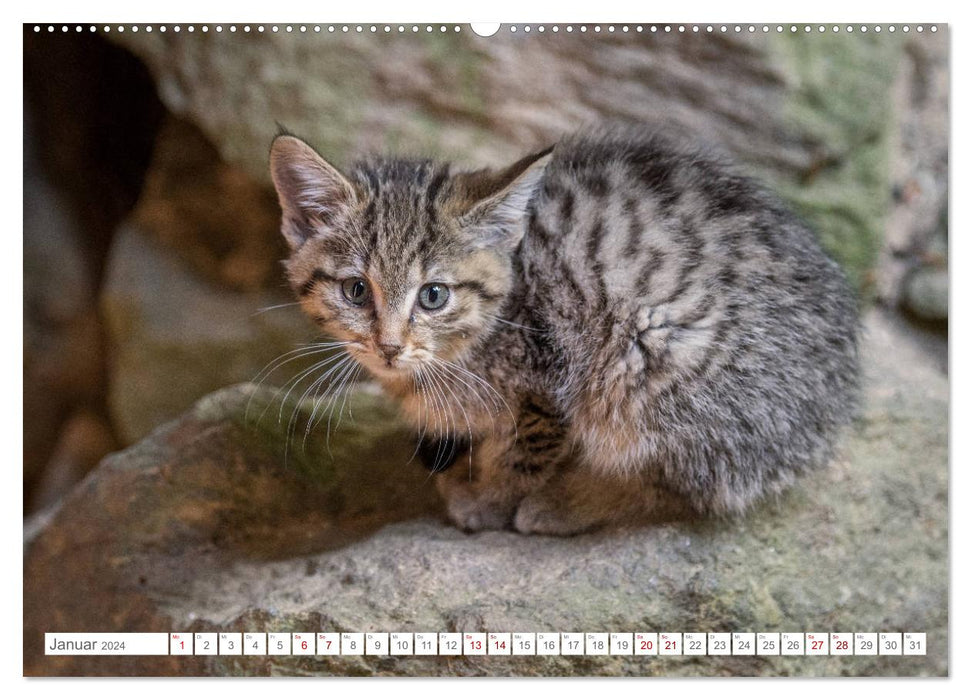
pixel 407 263
pixel 401 290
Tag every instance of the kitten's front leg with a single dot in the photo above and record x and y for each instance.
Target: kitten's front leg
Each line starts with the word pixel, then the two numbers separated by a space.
pixel 484 486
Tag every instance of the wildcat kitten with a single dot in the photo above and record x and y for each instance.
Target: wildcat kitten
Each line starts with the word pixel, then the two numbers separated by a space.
pixel 603 331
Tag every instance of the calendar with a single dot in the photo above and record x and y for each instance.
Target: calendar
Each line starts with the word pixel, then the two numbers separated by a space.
pixel 487 644
pixel 211 473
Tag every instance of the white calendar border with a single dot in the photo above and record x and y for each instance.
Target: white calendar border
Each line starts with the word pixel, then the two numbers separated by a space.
pixel 180 10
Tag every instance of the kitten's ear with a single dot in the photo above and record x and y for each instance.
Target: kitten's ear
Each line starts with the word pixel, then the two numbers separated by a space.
pixel 496 201
pixel 311 190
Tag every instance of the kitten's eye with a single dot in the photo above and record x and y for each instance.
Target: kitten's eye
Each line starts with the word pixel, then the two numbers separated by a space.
pixel 433 296
pixel 356 291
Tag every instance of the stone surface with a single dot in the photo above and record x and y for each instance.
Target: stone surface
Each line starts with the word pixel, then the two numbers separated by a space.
pixel 925 293
pixel 85 438
pixel 90 115
pixel 808 112
pixel 174 336
pixel 223 223
pixel 218 521
pixel 916 222
pixel 63 336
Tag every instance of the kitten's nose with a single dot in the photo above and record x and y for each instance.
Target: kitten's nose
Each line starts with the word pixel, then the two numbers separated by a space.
pixel 389 351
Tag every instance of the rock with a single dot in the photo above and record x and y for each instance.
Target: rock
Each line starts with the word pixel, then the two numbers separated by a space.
pixel 185 284
pixel 218 522
pixel 174 336
pixel 916 222
pixel 809 113
pixel 90 116
pixel 63 337
pixel 925 293
pixel 212 214
pixel 225 485
pixel 84 440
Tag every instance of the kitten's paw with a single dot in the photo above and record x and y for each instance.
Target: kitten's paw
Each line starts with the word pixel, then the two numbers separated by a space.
pixel 472 510
pixel 538 515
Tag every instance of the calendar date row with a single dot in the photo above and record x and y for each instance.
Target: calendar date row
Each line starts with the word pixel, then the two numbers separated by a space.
pixel 491 643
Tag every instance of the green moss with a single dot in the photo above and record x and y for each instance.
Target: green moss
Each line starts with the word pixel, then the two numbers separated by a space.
pixel 281 425
pixel 839 97
pixel 460 62
pixel 457 67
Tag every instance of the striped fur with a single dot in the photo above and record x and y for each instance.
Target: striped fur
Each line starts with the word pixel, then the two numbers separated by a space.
pixel 654 328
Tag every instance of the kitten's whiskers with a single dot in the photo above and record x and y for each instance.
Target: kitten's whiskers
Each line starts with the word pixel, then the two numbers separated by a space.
pixel 443 415
pixel 275 306
pixel 300 352
pixel 344 387
pixel 495 395
pixel 319 398
pixel 340 359
pixel 468 423
pixel 341 366
pixel 455 376
pixel 422 410
pixel 513 324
